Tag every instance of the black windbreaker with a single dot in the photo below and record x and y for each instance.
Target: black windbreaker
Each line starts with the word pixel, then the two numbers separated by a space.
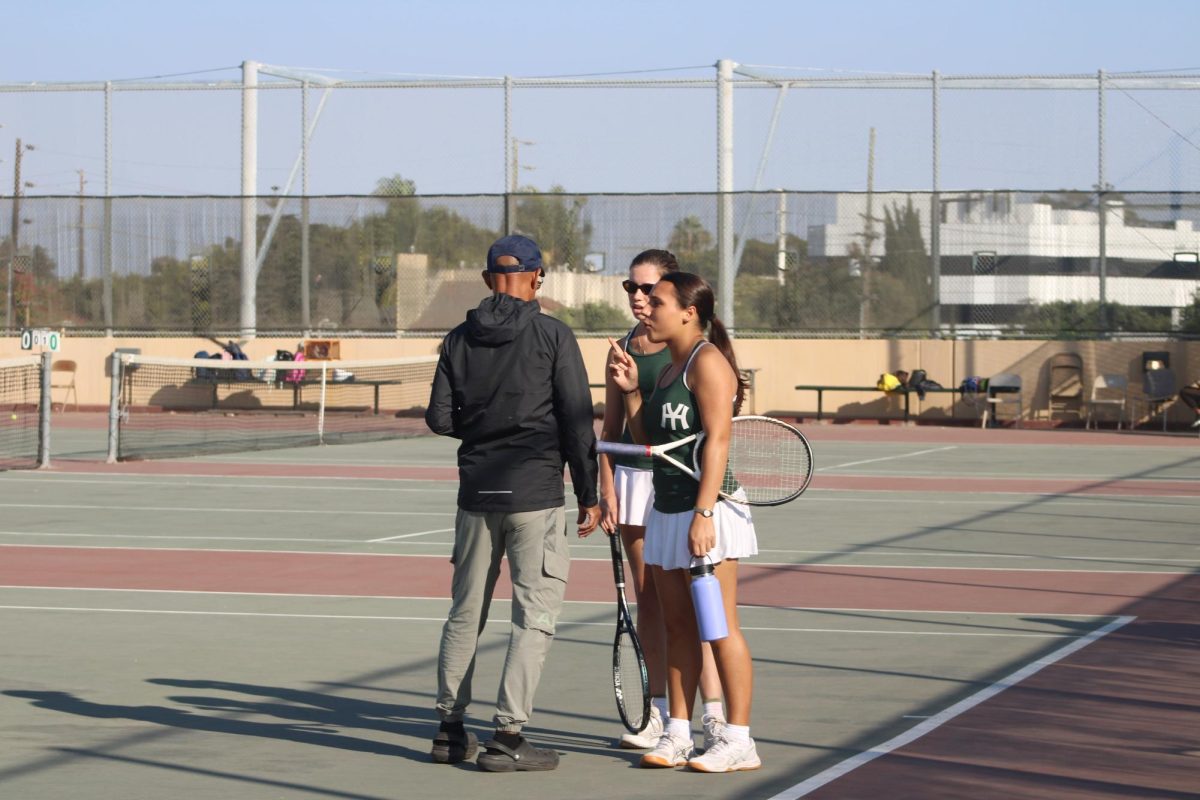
pixel 511 385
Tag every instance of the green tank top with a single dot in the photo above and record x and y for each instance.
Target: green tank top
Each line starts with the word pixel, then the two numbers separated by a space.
pixel 670 413
pixel 649 367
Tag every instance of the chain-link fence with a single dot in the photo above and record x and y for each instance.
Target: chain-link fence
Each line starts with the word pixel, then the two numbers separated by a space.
pixel 1006 263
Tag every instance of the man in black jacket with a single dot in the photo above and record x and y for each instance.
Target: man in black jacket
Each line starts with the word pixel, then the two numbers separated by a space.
pixel 511 386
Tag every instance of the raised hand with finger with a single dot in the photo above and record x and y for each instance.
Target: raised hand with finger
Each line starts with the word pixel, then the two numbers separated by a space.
pixel 622 368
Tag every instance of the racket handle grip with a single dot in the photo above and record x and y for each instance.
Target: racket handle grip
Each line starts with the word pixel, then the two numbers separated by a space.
pixel 623 449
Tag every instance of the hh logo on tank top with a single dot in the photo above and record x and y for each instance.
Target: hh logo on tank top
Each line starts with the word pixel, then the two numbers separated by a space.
pixel 675 414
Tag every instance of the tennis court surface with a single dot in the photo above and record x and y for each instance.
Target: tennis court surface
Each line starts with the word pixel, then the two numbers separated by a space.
pixel 945 613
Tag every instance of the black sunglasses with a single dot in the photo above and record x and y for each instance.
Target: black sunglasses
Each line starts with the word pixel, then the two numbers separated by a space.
pixel 632 288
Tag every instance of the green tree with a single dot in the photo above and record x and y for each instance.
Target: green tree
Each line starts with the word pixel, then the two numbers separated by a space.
pixel 761 258
pixel 693 246
pixel 689 238
pixel 555 221
pixel 1076 320
pixel 1190 319
pixel 900 285
pixel 593 317
pixel 815 296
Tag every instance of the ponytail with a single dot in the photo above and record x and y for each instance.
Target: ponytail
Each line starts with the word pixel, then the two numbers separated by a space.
pixel 719 338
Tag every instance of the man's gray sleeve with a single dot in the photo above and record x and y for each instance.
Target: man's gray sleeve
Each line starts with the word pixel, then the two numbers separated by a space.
pixel 573 410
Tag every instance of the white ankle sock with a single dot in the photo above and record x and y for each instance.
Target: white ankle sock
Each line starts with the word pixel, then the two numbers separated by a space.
pixel 714 708
pixel 661 704
pixel 737 733
pixel 682 728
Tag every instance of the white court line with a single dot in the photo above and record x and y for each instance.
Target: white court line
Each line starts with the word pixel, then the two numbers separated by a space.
pixel 233 483
pixel 304 595
pixel 857 553
pixel 115 477
pixel 356 462
pixel 888 458
pixel 937 720
pixel 156 537
pixel 1094 499
pixel 786 564
pixel 1021 475
pixel 561 623
pixel 232 510
pixel 409 535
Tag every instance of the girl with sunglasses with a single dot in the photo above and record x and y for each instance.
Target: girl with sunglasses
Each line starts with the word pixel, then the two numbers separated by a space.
pixel 626 497
pixel 699 390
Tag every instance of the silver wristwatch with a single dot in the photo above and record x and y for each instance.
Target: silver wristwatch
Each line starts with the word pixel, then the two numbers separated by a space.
pixel 704 512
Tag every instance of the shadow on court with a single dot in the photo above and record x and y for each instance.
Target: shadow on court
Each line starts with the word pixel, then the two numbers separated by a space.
pixel 309 717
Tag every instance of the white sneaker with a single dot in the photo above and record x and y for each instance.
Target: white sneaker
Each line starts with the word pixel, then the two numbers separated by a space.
pixel 671 751
pixel 727 756
pixel 649 735
pixel 714 727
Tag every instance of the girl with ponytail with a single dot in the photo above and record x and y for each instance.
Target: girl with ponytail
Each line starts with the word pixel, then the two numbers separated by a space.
pixel 700 389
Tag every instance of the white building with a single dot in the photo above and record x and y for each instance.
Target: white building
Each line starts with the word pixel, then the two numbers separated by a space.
pixel 998 250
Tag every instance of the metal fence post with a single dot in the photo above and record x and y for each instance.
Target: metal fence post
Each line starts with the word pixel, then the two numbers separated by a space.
pixel 248 317
pixel 935 214
pixel 725 264
pixel 510 175
pixel 1102 204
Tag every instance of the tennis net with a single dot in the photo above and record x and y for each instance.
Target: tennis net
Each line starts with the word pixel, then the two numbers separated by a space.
pixel 20 406
pixel 165 408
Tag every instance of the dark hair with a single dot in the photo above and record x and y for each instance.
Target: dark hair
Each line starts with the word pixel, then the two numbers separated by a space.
pixel 692 290
pixel 663 259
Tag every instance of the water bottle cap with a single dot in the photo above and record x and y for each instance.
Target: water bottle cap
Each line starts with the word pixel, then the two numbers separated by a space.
pixel 703 568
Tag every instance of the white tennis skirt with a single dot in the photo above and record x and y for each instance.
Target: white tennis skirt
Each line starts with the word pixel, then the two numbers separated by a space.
pixel 635 494
pixel 667 536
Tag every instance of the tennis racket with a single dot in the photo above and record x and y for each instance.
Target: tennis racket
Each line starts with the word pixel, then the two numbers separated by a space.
pixel 631 682
pixel 770 462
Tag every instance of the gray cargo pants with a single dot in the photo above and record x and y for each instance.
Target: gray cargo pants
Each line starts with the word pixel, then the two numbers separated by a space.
pixel 538 559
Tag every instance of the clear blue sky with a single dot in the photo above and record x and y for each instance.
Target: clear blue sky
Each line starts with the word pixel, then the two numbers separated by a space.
pixel 587 141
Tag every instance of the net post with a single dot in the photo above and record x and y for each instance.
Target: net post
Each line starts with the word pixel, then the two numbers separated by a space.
pixel 114 407
pixel 321 408
pixel 45 406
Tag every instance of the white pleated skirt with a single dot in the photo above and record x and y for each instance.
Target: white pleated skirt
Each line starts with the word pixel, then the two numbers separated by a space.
pixel 635 494
pixel 667 536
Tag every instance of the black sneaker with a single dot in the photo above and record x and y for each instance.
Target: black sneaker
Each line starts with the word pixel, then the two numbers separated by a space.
pixel 453 746
pixel 524 757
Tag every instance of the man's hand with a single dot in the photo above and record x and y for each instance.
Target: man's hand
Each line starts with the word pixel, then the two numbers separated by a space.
pixel 588 519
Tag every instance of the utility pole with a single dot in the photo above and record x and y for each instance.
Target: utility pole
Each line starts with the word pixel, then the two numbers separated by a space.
pixel 81 217
pixel 516 162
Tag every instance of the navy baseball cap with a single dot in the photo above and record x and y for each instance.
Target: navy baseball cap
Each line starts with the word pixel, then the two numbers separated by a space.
pixel 522 248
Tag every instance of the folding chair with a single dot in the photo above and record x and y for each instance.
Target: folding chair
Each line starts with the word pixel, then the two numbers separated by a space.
pixel 1158 390
pixel 1066 385
pixel 1108 391
pixel 62 376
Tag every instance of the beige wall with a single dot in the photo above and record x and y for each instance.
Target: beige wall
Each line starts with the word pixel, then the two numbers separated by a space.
pixel 781 363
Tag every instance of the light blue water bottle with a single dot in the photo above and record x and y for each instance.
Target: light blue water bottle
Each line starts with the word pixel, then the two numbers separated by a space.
pixel 706 597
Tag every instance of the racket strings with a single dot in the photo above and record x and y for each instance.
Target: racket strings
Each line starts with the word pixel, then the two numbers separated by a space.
pixel 630 668
pixel 770 461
